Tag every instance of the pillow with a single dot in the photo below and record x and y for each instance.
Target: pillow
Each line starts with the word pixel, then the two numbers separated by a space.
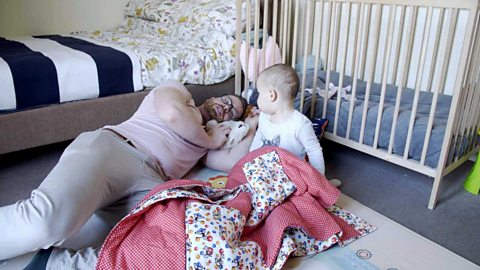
pixel 145 27
pixel 218 15
pixel 162 11
pixel 215 15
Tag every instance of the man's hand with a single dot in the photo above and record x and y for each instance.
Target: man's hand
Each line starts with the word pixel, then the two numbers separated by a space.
pixel 225 159
pixel 218 135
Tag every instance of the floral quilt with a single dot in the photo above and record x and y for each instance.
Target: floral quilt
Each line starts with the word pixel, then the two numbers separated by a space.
pixel 188 41
pixel 279 207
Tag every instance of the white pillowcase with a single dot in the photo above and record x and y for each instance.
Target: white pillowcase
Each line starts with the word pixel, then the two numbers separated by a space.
pixel 216 15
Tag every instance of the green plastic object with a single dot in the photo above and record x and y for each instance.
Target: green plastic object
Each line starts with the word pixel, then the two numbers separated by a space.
pixel 472 184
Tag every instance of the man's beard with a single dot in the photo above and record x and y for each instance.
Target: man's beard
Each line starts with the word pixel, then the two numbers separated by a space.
pixel 212 112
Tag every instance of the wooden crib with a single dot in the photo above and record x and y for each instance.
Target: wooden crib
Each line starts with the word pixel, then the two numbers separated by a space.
pixel 413 69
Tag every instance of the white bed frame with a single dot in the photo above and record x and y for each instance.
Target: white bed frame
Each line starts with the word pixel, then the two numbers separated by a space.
pixel 405 48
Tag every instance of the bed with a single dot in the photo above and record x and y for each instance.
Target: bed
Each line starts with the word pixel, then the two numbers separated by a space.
pixel 412 67
pixel 55 86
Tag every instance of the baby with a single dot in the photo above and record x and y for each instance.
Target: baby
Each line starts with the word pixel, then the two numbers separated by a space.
pixel 279 123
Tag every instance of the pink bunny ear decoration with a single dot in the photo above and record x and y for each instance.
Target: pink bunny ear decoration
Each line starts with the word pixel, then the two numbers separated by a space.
pixel 272 57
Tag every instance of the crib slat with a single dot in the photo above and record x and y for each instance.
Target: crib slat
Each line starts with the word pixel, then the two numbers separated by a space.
pixel 473 114
pixel 274 23
pixel 338 14
pixel 396 57
pixel 352 64
pixel 475 142
pixel 295 33
pixel 364 52
pixel 289 28
pixel 342 64
pixel 256 38
pixel 465 115
pixel 356 57
pixel 409 56
pixel 426 141
pixel 280 24
pixel 284 30
pixel 265 29
pixel 305 52
pixel 459 132
pixel 452 24
pixel 436 89
pixel 386 57
pixel 238 43
pixel 472 79
pixel 371 66
pixel 317 61
pixel 327 57
pixel 418 80
pixel 247 43
pixel 403 75
pixel 475 59
pixel 435 50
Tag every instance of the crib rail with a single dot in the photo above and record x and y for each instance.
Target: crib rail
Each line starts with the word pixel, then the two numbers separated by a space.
pixel 425 49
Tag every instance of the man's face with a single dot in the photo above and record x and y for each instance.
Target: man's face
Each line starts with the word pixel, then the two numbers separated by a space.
pixel 223 108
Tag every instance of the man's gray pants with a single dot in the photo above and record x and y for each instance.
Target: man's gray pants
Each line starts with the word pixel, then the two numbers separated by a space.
pixel 97 181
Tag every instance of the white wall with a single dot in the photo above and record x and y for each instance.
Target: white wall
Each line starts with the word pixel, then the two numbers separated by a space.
pixel 36 17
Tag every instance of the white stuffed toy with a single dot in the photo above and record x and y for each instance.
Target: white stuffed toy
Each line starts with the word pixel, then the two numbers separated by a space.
pixel 332 91
pixel 344 93
pixel 238 131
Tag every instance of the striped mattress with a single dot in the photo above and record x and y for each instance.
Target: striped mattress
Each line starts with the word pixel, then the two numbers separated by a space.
pixel 41 70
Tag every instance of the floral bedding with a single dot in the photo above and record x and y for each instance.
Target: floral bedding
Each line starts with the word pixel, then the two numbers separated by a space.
pixel 218 15
pixel 189 41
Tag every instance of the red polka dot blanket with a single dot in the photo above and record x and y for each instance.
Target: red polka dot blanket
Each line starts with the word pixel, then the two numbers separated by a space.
pixel 273 206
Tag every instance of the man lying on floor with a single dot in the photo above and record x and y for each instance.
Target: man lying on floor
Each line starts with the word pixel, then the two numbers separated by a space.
pixel 107 171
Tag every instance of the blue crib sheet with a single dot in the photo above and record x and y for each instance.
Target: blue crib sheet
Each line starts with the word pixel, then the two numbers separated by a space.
pixel 421 118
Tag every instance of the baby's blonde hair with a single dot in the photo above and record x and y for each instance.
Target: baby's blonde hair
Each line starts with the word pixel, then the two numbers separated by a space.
pixel 283 78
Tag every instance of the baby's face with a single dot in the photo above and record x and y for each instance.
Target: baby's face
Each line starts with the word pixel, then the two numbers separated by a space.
pixel 264 100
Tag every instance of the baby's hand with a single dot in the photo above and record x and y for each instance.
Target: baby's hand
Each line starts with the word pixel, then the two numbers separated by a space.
pixel 252 119
pixel 254 110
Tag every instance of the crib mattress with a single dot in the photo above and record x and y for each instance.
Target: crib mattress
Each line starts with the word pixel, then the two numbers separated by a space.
pixel 420 124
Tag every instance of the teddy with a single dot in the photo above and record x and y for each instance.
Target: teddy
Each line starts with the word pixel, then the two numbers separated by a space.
pixel 333 90
pixel 238 131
